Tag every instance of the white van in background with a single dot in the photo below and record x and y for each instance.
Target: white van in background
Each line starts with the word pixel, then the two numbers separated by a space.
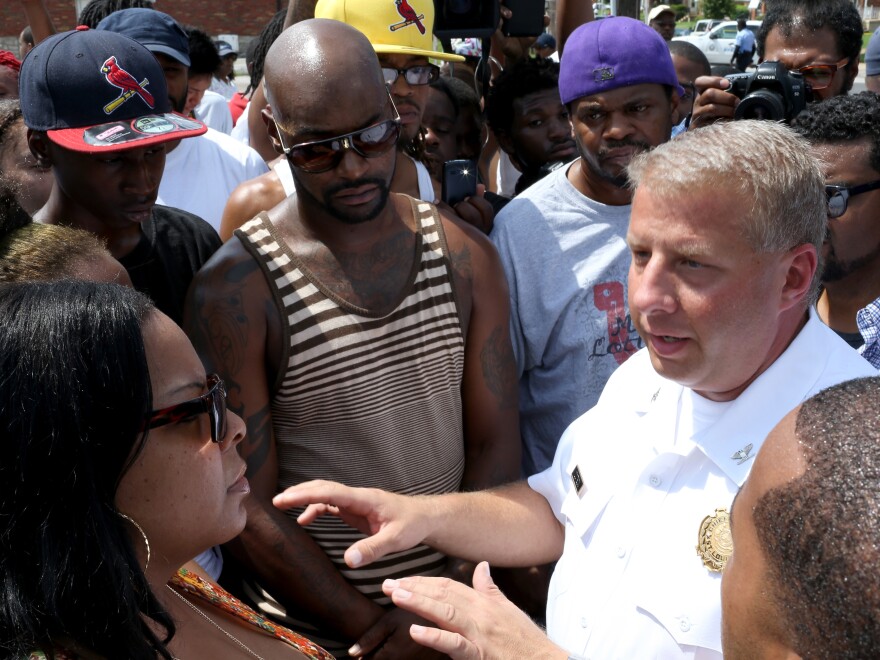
pixel 717 45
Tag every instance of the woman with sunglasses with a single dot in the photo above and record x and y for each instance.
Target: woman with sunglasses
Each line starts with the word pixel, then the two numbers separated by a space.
pixel 118 463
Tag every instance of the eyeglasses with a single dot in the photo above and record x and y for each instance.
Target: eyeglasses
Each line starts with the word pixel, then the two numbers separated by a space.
pixel 838 196
pixel 415 75
pixel 690 90
pixel 213 403
pixel 820 75
pixel 323 155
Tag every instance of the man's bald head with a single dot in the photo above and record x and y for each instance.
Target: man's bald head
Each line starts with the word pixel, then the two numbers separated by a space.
pixel 309 64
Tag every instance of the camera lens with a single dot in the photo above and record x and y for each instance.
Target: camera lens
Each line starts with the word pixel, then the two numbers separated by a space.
pixel 761 104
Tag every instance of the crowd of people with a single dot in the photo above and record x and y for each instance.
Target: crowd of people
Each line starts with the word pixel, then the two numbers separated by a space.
pixel 268 391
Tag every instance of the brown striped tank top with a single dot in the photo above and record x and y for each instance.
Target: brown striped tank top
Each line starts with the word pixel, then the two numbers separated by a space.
pixel 366 400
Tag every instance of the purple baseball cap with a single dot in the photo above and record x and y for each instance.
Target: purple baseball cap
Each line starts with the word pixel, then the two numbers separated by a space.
pixel 614 52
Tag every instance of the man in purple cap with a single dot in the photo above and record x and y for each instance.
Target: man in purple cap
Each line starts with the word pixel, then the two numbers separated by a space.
pixel 562 241
pixel 98 113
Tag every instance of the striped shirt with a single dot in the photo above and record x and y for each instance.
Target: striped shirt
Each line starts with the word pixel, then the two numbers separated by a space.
pixel 366 400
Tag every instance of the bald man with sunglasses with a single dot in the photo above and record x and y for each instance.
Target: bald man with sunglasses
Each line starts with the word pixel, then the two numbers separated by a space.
pixel 362 336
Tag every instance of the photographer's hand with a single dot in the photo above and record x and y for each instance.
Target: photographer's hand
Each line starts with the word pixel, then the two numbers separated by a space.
pixel 712 102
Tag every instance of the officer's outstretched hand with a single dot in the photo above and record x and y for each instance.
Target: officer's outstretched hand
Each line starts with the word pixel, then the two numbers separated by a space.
pixel 712 102
pixel 474 624
pixel 392 522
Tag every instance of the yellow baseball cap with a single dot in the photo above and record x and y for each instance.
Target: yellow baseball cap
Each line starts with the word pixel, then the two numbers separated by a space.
pixel 402 27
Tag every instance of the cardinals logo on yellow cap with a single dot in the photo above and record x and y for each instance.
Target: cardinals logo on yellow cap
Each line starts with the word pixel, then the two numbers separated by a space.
pixel 380 21
pixel 409 17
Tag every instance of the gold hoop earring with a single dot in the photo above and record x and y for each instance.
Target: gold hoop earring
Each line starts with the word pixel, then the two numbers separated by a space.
pixel 143 534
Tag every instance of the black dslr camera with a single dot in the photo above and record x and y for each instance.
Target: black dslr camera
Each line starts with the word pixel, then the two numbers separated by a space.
pixel 771 92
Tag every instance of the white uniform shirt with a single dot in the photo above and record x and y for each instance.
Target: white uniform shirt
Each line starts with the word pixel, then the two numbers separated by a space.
pixel 654 464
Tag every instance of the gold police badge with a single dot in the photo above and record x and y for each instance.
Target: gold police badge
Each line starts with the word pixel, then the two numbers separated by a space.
pixel 714 544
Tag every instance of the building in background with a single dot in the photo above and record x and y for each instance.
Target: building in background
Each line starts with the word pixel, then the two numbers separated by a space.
pixel 244 18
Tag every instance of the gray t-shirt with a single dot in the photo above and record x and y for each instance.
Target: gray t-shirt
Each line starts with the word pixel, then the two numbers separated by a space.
pixel 566 262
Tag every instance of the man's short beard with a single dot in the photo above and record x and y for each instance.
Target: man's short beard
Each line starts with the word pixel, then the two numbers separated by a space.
pixel 836 270
pixel 618 180
pixel 592 162
pixel 327 203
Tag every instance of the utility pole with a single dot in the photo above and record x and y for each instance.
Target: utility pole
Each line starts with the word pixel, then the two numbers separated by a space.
pixel 628 8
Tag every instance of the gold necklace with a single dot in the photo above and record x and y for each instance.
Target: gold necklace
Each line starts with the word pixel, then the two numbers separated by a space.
pixel 214 623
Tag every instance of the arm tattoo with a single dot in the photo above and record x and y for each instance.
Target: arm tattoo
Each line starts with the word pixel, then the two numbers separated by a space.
pixel 462 264
pixel 226 327
pixel 223 323
pixel 499 370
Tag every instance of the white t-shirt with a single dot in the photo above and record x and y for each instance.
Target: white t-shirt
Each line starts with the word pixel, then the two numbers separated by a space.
pixel 507 175
pixel 224 88
pixel 241 131
pixel 285 176
pixel 426 185
pixel 630 583
pixel 201 173
pixel 214 112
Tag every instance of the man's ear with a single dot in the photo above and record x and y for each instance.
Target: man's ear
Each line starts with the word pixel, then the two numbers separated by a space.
pixel 801 262
pixel 271 128
pixel 40 148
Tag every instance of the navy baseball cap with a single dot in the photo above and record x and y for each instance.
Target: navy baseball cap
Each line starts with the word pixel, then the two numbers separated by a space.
pixel 154 30
pixel 615 52
pixel 545 40
pixel 96 91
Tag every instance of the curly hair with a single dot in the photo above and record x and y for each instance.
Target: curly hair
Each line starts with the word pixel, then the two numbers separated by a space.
pixel 203 55
pixel 820 533
pixel 840 16
pixel 97 10
pixel 843 119
pixel 12 215
pixel 523 78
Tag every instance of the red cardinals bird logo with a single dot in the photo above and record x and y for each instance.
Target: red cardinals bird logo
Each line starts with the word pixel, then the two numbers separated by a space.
pixel 409 17
pixel 119 77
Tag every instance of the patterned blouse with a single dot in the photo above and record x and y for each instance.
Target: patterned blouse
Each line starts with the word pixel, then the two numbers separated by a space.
pixel 188 582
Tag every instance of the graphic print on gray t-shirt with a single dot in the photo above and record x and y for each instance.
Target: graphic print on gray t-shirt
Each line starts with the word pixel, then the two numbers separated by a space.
pixel 566 262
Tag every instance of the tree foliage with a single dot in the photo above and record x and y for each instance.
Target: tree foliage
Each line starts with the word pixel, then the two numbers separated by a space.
pixel 718 8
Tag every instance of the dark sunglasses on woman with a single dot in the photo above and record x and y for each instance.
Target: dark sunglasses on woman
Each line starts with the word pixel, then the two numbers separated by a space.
pixel 213 402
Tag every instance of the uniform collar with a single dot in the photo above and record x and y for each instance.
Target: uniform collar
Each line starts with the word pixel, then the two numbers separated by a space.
pixel 733 441
pixel 735 438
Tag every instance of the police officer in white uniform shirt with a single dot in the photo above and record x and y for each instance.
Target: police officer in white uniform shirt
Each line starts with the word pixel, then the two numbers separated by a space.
pixel 635 505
